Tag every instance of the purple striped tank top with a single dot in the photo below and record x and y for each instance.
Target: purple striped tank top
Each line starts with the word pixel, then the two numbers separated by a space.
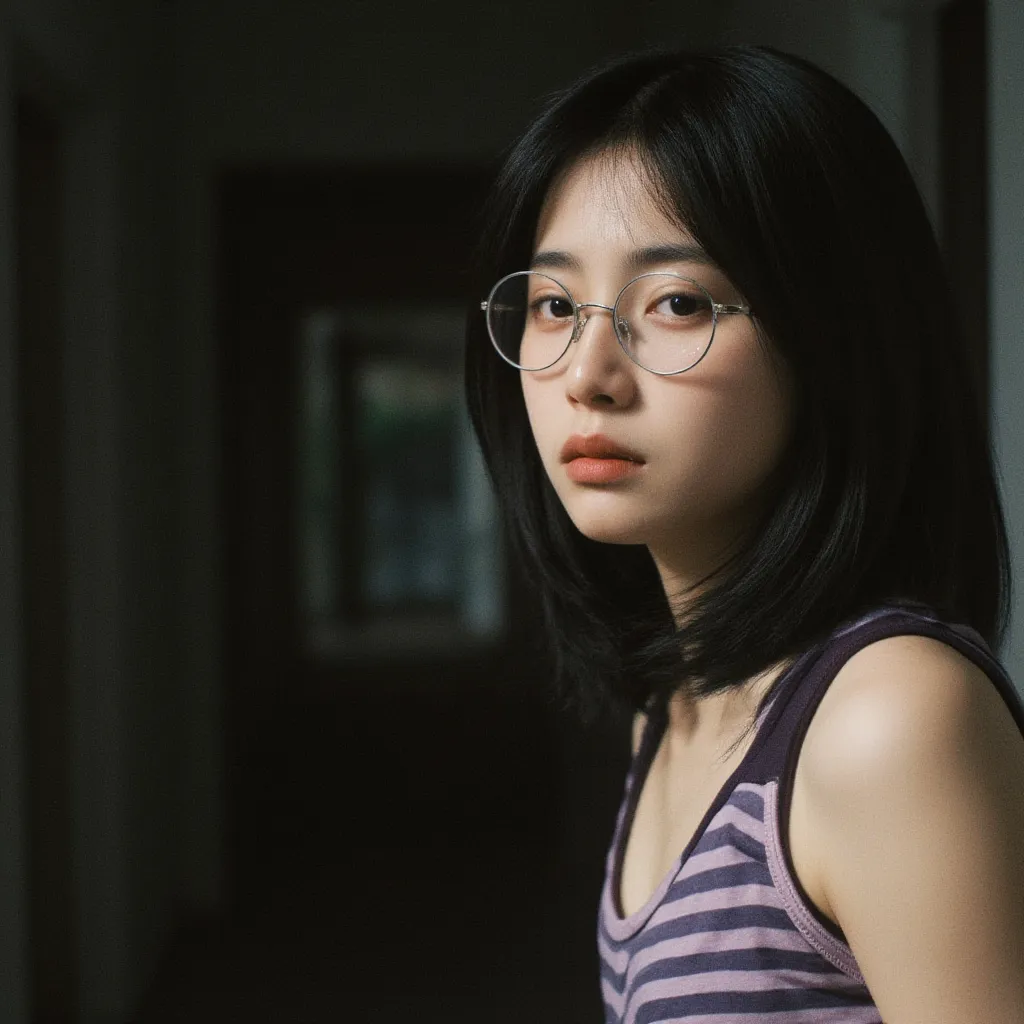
pixel 728 937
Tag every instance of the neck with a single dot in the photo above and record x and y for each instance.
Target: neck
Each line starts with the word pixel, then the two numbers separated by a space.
pixel 718 720
pixel 686 568
pixel 686 575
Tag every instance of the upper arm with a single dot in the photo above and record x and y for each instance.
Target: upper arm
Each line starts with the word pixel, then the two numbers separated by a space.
pixel 914 782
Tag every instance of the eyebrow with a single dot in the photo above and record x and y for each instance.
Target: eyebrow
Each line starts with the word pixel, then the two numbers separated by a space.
pixel 670 252
pixel 638 259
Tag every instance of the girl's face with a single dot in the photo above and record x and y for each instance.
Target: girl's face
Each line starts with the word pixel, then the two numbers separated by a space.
pixel 701 445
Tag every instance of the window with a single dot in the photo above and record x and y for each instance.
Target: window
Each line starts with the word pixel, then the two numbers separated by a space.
pixel 398 540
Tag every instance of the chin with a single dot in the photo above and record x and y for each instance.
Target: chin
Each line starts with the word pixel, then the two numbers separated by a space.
pixel 608 529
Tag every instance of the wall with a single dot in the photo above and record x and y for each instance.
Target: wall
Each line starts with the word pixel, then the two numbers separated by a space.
pixel 97 67
pixel 13 921
pixel 1006 224
pixel 883 49
pixel 44 49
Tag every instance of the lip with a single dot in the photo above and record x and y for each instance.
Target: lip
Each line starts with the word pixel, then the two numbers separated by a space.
pixel 596 459
pixel 597 446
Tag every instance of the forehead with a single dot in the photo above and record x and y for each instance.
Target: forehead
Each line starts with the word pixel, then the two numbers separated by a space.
pixel 603 199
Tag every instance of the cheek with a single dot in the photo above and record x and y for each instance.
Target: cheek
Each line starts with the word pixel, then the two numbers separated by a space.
pixel 540 411
pixel 763 423
pixel 737 428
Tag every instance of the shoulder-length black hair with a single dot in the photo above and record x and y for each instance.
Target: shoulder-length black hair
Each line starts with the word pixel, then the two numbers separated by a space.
pixel 887 492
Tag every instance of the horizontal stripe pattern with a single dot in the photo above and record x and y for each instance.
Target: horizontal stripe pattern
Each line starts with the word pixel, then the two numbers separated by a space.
pixel 716 944
pixel 728 937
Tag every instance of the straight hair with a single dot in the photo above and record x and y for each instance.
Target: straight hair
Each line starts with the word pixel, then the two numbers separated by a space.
pixel 887 491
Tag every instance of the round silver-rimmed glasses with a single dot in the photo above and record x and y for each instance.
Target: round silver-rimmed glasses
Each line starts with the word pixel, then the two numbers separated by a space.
pixel 664 322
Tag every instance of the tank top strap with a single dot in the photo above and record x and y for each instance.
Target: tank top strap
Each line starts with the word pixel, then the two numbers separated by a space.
pixel 791 703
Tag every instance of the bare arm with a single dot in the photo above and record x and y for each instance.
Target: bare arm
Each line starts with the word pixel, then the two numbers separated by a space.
pixel 913 774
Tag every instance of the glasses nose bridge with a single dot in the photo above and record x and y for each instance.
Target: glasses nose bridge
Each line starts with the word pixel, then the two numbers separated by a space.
pixel 583 317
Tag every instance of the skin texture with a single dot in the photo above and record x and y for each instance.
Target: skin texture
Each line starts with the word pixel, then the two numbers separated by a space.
pixel 709 437
pixel 907 823
pixel 907 829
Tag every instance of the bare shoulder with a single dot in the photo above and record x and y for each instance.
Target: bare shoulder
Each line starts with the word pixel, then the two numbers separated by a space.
pixel 906 703
pixel 912 789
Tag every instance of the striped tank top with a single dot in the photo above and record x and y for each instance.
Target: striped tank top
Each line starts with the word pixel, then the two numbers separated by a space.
pixel 728 937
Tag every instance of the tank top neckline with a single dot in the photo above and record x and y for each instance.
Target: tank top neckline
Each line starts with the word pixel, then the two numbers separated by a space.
pixel 622 926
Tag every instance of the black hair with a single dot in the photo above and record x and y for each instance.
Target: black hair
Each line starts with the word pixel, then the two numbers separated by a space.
pixel 887 491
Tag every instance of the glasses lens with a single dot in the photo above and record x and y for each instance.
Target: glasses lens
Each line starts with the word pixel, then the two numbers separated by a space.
pixel 531 320
pixel 665 322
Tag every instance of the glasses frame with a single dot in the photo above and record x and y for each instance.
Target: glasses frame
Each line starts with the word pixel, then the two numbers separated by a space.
pixel 580 319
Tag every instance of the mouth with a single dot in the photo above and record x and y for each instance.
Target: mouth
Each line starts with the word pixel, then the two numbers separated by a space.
pixel 597 446
pixel 596 459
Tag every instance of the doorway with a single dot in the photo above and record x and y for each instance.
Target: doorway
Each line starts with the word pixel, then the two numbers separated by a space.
pixel 395 762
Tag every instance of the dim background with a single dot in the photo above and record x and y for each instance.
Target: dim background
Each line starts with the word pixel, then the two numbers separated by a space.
pixel 277 741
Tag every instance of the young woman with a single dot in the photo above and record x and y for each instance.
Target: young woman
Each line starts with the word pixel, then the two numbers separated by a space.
pixel 721 390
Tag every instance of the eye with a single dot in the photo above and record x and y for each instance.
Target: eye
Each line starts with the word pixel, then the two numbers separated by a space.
pixel 551 307
pixel 680 305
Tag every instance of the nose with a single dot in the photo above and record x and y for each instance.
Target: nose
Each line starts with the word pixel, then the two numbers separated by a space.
pixel 600 373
